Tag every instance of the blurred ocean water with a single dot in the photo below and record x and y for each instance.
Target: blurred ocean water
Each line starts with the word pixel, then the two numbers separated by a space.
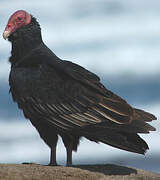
pixel 117 39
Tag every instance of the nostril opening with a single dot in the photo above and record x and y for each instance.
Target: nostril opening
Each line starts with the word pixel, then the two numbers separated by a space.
pixel 8 26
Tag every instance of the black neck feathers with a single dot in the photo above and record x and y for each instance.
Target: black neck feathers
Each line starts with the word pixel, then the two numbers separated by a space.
pixel 24 40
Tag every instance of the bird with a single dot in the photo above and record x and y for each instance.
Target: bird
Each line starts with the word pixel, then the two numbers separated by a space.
pixel 64 99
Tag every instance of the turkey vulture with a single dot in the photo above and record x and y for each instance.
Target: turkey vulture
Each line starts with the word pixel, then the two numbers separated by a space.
pixel 62 98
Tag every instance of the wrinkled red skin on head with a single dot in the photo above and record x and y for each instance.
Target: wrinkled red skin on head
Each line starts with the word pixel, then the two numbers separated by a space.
pixel 18 19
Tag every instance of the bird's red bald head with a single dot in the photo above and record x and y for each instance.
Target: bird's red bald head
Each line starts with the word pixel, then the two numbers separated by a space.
pixel 18 19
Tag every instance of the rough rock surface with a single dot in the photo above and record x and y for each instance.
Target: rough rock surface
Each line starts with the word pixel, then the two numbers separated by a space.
pixel 82 172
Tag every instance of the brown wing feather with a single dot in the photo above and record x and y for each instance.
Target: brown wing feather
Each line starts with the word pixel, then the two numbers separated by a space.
pixel 78 112
pixel 67 102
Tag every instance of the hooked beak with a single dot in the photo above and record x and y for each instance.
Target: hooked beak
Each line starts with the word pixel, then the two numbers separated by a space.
pixel 10 28
pixel 6 34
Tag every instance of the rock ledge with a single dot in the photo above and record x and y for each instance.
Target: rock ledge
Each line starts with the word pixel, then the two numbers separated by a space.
pixel 82 172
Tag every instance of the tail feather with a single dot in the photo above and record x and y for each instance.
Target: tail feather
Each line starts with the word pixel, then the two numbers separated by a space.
pixel 125 141
pixel 143 116
pixel 131 143
pixel 141 126
pixel 123 136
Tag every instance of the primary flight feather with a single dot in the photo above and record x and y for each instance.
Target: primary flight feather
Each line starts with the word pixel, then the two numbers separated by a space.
pixel 63 98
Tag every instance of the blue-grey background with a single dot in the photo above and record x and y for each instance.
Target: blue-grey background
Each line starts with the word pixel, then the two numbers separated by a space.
pixel 117 39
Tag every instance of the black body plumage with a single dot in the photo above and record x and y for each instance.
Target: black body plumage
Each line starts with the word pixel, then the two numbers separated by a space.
pixel 62 98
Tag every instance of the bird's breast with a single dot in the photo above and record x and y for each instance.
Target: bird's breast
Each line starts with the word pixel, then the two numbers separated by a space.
pixel 36 82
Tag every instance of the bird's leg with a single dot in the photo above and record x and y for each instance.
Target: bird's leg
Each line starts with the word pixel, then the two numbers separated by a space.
pixel 69 155
pixel 53 161
pixel 53 146
pixel 69 146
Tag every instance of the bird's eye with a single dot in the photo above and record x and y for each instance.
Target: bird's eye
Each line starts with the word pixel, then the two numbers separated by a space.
pixel 19 18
